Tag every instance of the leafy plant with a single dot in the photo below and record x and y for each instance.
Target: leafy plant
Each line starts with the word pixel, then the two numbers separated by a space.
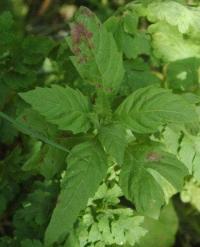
pixel 94 161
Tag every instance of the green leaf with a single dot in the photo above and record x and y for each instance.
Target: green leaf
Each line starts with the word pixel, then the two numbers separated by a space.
pixel 111 24
pixel 95 52
pixel 136 46
pixel 94 234
pixel 53 162
pixel 124 30
pixel 138 75
pixel 35 49
pixel 161 233
pixel 185 146
pixel 192 98
pixel 175 14
pixel 113 138
pixel 4 94
pixel 46 160
pixel 183 74
pixel 191 193
pixel 128 230
pixel 72 241
pixel 31 243
pixel 65 107
pixel 147 108
pixel 34 211
pixel 6 30
pixel 31 163
pixel 170 45
pixel 6 21
pixel 130 22
pixel 37 123
pixel 104 227
pixel 18 80
pixel 149 176
pixel 189 154
pixel 86 169
pixel 170 138
pixel 131 45
pixel 26 130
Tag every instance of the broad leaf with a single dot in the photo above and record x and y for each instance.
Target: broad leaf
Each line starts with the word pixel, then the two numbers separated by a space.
pixel 86 169
pixel 130 23
pixel 162 232
pixel 129 41
pixel 175 14
pixel 138 75
pixel 149 176
pixel 96 56
pixel 66 107
pixel 170 45
pixel 132 46
pixel 147 108
pixel 183 74
pixel 113 138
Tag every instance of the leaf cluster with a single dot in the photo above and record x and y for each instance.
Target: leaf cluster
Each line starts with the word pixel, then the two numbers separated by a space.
pixel 99 130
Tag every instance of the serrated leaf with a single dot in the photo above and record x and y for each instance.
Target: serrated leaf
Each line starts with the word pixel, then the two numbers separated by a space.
pixel 104 227
pixel 147 108
pixel 95 52
pixel 66 107
pixel 113 138
pixel 146 174
pixel 127 230
pixel 94 234
pixel 86 169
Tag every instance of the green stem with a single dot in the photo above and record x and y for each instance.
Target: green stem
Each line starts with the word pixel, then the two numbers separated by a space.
pixel 24 129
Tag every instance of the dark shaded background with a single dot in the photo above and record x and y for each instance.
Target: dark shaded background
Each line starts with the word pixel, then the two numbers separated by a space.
pixel 52 16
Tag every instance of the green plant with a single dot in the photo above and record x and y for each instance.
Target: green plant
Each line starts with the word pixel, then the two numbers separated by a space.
pixel 112 141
